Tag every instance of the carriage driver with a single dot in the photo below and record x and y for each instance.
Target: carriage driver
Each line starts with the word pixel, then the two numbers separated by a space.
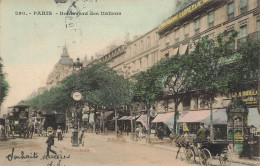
pixel 202 134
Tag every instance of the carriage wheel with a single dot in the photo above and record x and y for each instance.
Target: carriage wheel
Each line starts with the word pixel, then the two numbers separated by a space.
pixel 205 157
pixel 189 156
pixel 225 159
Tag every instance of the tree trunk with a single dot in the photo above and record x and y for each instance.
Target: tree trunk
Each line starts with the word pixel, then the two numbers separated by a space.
pixel 104 122
pixel 94 126
pixel 176 113
pixel 116 123
pixel 148 124
pixel 132 130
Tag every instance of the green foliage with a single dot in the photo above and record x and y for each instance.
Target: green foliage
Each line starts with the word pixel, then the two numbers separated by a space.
pixel 4 86
pixel 206 73
pixel 100 86
pixel 149 85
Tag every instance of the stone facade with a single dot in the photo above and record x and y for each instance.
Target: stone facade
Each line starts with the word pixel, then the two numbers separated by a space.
pixel 61 70
pixel 178 34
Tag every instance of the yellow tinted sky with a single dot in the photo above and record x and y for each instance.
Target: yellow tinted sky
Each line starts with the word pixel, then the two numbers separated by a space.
pixel 30 45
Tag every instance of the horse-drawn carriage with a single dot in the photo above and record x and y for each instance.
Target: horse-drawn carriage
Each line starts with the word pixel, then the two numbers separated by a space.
pixel 18 117
pixel 206 151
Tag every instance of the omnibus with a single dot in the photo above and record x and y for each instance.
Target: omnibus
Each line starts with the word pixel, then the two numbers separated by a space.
pixel 18 116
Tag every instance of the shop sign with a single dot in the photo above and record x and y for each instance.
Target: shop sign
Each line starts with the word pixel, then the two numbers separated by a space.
pixel 249 97
pixel 184 13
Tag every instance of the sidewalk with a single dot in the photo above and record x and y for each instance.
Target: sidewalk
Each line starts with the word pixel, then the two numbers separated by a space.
pixel 166 145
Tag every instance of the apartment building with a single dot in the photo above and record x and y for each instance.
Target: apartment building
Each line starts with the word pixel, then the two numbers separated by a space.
pixel 199 18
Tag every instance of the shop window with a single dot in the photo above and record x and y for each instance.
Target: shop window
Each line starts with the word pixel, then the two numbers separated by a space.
pixel 243 6
pixel 197 25
pixel 231 10
pixel 211 19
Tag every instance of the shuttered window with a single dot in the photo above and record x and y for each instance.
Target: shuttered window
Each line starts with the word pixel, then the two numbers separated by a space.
pixel 197 24
pixel 258 25
pixel 211 19
pixel 243 3
pixel 231 8
pixel 243 31
pixel 243 6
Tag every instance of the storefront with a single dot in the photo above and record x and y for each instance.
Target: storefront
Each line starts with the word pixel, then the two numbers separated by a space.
pixel 166 121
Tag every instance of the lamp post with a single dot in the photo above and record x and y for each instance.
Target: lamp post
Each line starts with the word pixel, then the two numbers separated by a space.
pixel 76 95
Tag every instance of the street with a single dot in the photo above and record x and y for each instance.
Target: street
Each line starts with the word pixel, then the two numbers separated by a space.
pixel 96 151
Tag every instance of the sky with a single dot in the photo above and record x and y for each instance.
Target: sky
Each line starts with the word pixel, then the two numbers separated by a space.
pixel 31 39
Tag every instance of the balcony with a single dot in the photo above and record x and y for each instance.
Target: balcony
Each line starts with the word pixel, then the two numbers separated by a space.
pixel 243 42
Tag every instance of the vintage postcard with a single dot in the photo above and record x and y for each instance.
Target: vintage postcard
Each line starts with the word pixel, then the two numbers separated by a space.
pixel 129 82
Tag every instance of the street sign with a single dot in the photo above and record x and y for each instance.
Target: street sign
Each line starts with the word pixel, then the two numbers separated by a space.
pixel 153 113
pixel 77 96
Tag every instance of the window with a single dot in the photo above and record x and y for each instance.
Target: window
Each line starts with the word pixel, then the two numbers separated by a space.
pixel 243 37
pixel 186 31
pixel 231 10
pixel 148 42
pixel 167 55
pixel 243 6
pixel 211 19
pixel 135 49
pixel 258 3
pixel 197 25
pixel 243 31
pixel 141 45
pixel 167 41
pixel 177 36
pixel 258 25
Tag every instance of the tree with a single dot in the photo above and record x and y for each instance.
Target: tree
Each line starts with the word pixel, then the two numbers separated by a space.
pixel 103 87
pixel 149 88
pixel 4 86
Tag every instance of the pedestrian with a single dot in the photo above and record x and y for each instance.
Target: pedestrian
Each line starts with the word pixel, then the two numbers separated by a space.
pixel 31 130
pixel 59 133
pixel 202 134
pixel 50 142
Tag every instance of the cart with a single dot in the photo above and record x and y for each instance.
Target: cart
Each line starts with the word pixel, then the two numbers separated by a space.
pixel 208 150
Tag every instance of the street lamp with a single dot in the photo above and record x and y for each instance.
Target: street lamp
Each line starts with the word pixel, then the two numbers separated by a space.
pixel 77 96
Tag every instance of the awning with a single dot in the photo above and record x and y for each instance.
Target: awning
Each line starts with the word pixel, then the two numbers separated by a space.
pixel 183 49
pixel 195 116
pixel 123 118
pixel 163 117
pixel 158 118
pixel 219 117
pixel 167 118
pixel 107 114
pixel 143 120
pixel 175 51
pixel 132 117
pixel 253 117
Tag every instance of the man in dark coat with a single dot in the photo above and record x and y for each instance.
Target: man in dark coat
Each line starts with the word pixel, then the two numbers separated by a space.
pixel 50 142
pixel 202 134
